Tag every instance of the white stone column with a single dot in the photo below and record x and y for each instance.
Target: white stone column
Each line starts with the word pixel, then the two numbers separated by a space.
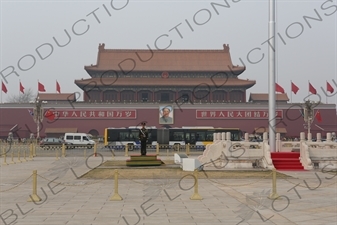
pixel 278 142
pixel 309 136
pixel 218 136
pixel 246 137
pixel 223 136
pixel 265 136
pixel 228 136
pixel 319 137
pixel 328 137
pixel 302 136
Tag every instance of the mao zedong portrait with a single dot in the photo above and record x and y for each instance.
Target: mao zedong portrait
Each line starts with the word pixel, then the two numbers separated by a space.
pixel 165 115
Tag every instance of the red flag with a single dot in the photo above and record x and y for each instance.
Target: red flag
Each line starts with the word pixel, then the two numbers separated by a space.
pixel 312 89
pixel 294 88
pixel 4 88
pixel 58 88
pixel 22 88
pixel 329 88
pixel 49 115
pixel 41 87
pixel 318 117
pixel 278 88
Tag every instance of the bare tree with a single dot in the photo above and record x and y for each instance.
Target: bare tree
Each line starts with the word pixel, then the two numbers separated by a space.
pixel 22 98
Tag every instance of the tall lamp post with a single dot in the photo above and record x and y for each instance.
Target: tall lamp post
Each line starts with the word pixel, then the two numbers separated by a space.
pixel 308 114
pixel 38 116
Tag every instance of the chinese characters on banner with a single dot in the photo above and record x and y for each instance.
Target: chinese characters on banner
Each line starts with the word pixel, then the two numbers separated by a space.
pixel 95 114
pixel 235 114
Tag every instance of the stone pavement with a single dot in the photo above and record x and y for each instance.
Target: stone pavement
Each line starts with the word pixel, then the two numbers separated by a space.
pixel 307 198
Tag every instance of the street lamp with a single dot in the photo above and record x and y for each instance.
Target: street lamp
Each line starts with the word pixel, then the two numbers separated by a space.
pixel 308 113
pixel 38 116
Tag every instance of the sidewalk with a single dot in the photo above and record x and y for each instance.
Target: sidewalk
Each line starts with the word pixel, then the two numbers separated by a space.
pixel 308 198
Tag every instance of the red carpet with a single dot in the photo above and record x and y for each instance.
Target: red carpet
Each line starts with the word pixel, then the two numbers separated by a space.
pixel 286 160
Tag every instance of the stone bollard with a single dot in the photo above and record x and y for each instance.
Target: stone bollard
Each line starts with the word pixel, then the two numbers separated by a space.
pixel 196 195
pixel 5 156
pixel 34 197
pixel 274 194
pixel 31 152
pixel 319 137
pixel 95 149
pixel 126 150
pixel 188 149
pixel 24 155
pixel 328 137
pixel 157 149
pixel 19 161
pixel 116 196
pixel 310 137
pixel 12 154
pixel 34 150
pixel 63 150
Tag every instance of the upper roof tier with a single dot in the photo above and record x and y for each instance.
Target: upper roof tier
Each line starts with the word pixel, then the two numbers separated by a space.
pixel 161 82
pixel 164 60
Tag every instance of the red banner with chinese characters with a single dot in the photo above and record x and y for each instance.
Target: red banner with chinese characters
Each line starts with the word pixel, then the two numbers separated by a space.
pixel 235 114
pixel 95 114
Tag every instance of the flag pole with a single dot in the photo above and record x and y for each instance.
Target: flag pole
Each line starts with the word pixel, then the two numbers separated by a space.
pixel 271 68
pixel 56 90
pixel 291 91
pixel 326 96
pixel 1 90
pixel 308 89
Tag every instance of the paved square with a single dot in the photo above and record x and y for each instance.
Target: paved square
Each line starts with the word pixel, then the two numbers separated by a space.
pixel 310 197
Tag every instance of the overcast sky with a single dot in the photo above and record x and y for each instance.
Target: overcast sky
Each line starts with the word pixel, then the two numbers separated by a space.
pixel 306 48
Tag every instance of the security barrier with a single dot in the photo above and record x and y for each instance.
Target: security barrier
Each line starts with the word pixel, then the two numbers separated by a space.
pixel 274 194
pixel 4 154
pixel 188 149
pixel 196 195
pixel 95 149
pixel 12 154
pixel 116 196
pixel 63 150
pixel 20 153
pixel 126 150
pixel 34 197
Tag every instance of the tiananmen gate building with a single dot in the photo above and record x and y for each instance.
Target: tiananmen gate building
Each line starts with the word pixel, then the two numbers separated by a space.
pixel 196 87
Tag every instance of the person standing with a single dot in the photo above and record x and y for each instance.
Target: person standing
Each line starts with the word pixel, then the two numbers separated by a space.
pixel 143 136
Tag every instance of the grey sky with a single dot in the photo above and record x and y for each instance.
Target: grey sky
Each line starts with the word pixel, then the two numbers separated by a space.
pixel 26 25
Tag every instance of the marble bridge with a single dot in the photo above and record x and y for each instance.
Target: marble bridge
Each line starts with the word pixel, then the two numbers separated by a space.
pixel 226 154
